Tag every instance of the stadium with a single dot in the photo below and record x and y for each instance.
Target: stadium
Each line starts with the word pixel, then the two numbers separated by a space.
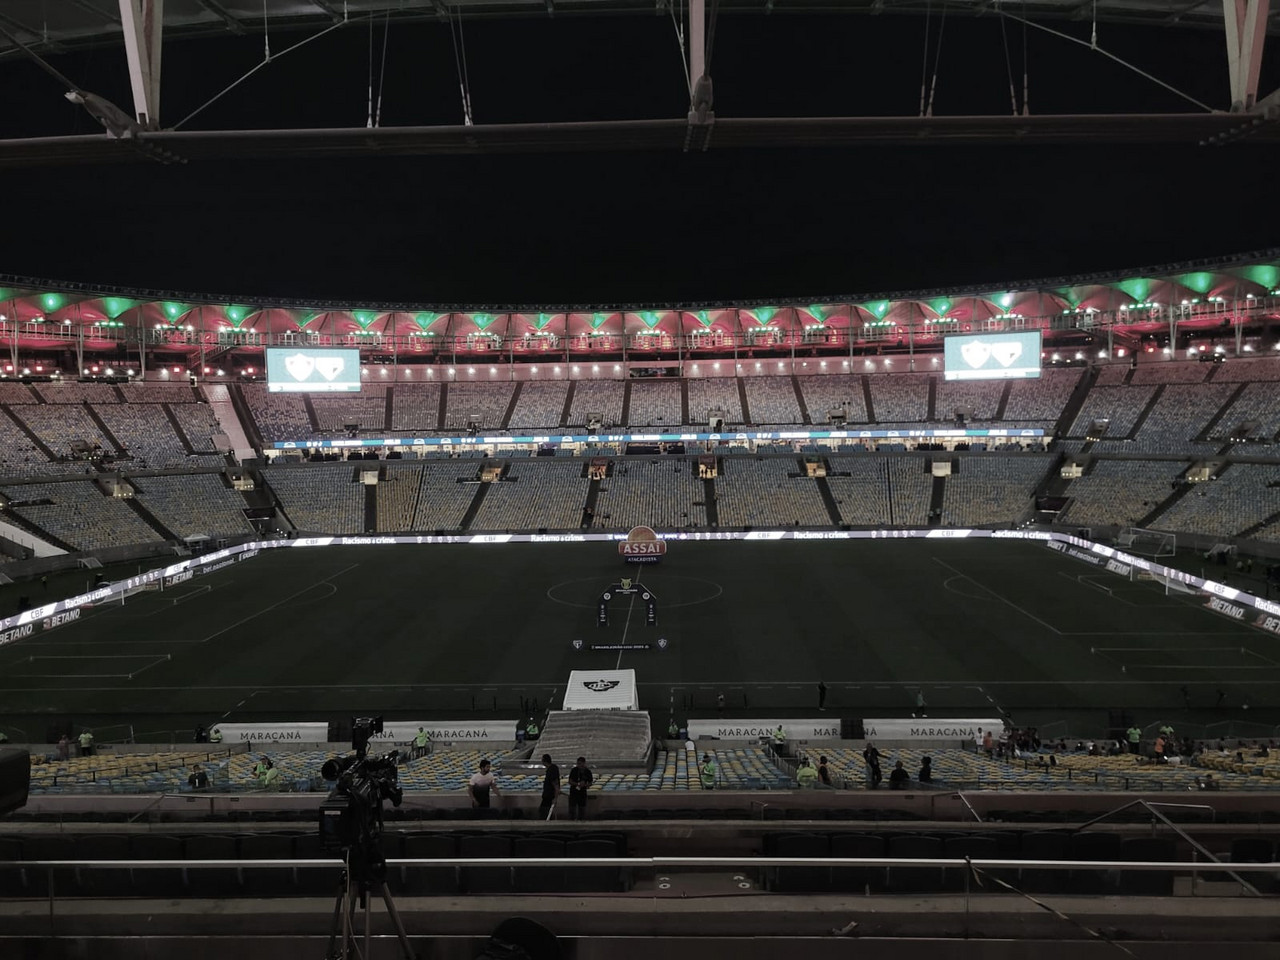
pixel 940 616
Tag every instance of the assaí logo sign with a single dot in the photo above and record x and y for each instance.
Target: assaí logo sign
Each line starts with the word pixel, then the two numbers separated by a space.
pixel 642 545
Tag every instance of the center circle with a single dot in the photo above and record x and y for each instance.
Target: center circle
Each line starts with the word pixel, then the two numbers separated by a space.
pixel 563 593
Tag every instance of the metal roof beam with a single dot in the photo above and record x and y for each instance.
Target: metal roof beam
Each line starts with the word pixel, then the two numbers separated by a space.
pixel 96 11
pixel 1246 29
pixel 143 22
pixel 1177 15
pixel 17 26
pixel 233 25
pixel 324 5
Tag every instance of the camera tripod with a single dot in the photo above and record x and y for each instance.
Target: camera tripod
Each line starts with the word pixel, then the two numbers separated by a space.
pixel 361 877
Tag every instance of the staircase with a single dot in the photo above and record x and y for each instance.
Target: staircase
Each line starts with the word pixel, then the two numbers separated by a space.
pixel 742 399
pixel 804 407
pixel 511 407
pixel 232 413
pixel 30 434
pixel 709 499
pixel 931 414
pixel 106 431
pixel 589 507
pixel 684 402
pixel 177 429
pixel 568 404
pixel 1146 411
pixel 390 406
pixel 371 508
pixel 470 515
pixel 626 404
pixel 1075 402
pixel 150 519
pixel 442 415
pixel 1209 427
pixel 829 501
pixel 1004 399
pixel 311 413
pixel 935 500
pixel 1182 490
pixel 866 398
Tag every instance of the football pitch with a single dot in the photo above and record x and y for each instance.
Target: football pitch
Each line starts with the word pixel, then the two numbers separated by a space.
pixel 457 631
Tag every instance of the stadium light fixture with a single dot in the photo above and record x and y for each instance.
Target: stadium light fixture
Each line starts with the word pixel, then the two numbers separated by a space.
pixel 109 372
pixel 1102 354
pixel 26 371
pixel 1248 348
pixel 1119 351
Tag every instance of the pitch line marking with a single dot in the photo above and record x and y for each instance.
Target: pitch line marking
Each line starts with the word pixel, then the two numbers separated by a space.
pixel 281 602
pixel 627 626
pixel 1007 602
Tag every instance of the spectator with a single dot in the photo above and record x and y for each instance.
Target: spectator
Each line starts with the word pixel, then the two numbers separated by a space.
pixel 987 744
pixel 1158 749
pixel 898 777
pixel 86 743
pixel 580 780
pixel 871 756
pixel 479 786
pixel 673 729
pixel 198 780
pixel 926 770
pixel 824 774
pixel 806 776
pixel 262 767
pixel 822 695
pixel 201 735
pixel 64 747
pixel 550 787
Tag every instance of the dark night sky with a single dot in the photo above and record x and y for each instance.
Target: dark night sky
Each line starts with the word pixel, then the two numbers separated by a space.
pixel 654 226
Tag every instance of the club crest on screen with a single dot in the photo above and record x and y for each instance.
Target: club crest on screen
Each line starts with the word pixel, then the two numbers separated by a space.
pixel 329 367
pixel 299 366
pixel 975 353
pixel 1006 351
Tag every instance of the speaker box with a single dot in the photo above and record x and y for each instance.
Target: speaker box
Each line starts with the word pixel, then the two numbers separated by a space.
pixel 15 779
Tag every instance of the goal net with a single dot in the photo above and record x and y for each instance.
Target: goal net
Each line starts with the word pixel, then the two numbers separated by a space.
pixel 1147 543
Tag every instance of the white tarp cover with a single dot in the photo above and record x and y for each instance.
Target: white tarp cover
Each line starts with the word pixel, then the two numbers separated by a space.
pixel 601 690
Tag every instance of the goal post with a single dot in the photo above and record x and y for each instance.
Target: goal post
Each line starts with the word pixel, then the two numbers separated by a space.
pixel 1148 543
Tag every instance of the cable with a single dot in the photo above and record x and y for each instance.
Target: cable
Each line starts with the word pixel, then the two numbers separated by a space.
pixel 1026 67
pixel 924 60
pixel 678 24
pixel 369 115
pixel 933 85
pixel 235 83
pixel 1008 67
pixel 459 65
pixel 1111 56
pixel 711 36
pixel 266 35
pixel 382 75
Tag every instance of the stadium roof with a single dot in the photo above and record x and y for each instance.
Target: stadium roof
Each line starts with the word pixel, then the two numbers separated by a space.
pixel 67 24
pixel 39 30
pixel 41 313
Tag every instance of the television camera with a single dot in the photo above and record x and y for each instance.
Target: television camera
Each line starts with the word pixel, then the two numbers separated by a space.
pixel 351 822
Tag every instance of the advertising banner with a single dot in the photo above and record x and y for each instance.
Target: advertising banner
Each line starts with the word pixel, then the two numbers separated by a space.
pixel 445 731
pixel 828 729
pixel 930 728
pixel 282 732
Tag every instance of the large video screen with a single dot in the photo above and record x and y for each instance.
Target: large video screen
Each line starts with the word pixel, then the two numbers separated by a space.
pixel 991 356
pixel 312 370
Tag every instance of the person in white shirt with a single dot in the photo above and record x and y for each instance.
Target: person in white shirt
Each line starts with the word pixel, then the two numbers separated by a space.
pixel 480 784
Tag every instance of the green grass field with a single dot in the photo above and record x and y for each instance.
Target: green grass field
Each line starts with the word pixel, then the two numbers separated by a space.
pixel 457 631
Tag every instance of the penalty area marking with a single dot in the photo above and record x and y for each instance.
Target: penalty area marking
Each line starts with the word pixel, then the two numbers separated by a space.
pixel 63 675
pixel 719 590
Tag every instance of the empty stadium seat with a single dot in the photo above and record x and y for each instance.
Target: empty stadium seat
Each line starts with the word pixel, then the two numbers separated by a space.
pixel 437 881
pixel 801 879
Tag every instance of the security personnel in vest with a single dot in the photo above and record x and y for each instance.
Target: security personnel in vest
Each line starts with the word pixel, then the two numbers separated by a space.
pixel 707 772
pixel 86 743
pixel 421 743
pixel 215 735
pixel 531 731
